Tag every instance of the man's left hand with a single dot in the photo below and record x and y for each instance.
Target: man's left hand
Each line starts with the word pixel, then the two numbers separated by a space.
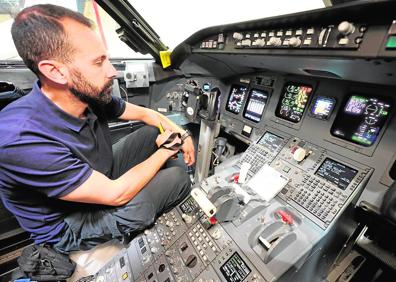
pixel 188 151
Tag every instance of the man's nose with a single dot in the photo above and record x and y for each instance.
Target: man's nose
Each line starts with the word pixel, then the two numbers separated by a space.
pixel 111 72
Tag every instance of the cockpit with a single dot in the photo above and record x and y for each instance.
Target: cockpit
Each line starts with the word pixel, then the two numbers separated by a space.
pixel 292 117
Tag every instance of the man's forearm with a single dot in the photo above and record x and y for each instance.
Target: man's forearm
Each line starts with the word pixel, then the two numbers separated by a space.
pixel 130 183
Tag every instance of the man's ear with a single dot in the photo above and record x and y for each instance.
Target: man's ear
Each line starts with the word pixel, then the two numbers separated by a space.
pixel 54 71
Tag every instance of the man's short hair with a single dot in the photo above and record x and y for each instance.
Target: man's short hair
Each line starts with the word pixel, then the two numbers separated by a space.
pixel 39 35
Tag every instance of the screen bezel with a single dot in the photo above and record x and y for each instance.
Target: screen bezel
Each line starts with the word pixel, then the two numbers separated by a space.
pixel 342 107
pixel 228 260
pixel 229 97
pixel 281 98
pixel 248 100
pixel 314 100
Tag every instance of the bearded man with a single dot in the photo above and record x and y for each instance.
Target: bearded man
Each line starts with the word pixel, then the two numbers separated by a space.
pixel 59 174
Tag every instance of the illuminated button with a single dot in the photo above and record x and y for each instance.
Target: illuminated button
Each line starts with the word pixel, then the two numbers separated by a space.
pixel 198 248
pixel 289 33
pixel 205 258
pixel 391 43
pixel 310 31
pixel 246 42
pixel 256 35
pixel 299 32
pixel 286 169
pixel 263 34
pixel 213 248
pixel 343 41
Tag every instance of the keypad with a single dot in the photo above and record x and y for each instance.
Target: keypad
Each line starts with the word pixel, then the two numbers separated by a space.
pixel 319 197
pixel 257 156
pixel 203 243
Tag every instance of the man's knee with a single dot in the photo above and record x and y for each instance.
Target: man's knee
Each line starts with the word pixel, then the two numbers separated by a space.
pixel 180 180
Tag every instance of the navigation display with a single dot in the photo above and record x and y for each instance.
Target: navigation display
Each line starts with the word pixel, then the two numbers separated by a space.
pixel 236 98
pixel 361 119
pixel 337 173
pixel 322 107
pixel 255 105
pixel 271 141
pixel 235 269
pixel 293 101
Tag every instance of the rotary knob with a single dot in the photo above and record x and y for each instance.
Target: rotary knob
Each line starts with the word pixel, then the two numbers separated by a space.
pixel 169 223
pixel 187 218
pixel 147 232
pixel 237 36
pixel 294 42
pixel 299 154
pixel 216 234
pixel 346 28
pixel 260 42
pixel 275 41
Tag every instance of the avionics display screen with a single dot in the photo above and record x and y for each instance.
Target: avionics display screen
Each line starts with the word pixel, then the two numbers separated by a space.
pixel 235 269
pixel 322 107
pixel 361 119
pixel 255 105
pixel 236 98
pixel 271 141
pixel 337 173
pixel 293 101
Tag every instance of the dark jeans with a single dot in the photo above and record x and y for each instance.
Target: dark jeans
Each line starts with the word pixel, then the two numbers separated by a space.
pixel 95 225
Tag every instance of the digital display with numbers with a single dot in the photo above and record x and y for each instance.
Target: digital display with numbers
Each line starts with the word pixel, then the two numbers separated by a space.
pixel 255 105
pixel 293 101
pixel 271 141
pixel 235 269
pixel 236 98
pixel 361 119
pixel 337 173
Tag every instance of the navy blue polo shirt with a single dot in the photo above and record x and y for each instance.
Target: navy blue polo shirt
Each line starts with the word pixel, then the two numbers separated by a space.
pixel 45 154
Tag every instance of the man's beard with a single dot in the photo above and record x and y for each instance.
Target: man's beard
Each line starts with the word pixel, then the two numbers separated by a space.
pixel 88 93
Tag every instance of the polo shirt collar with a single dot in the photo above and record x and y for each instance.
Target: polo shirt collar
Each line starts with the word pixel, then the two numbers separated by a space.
pixel 75 124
